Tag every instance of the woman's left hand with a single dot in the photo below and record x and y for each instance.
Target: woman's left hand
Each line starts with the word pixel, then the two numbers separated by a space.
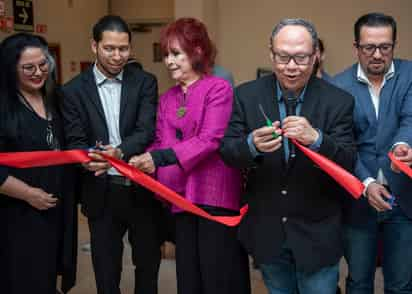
pixel 144 162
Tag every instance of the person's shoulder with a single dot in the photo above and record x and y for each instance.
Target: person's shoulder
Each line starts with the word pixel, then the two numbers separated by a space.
pixel 332 93
pixel 77 81
pixel 138 73
pixel 403 66
pixel 347 74
pixel 216 81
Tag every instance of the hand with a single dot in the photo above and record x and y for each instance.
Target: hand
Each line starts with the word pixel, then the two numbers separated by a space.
pixel 263 138
pixel 403 153
pixel 298 127
pixel 144 162
pixel 111 151
pixel 98 164
pixel 376 194
pixel 39 199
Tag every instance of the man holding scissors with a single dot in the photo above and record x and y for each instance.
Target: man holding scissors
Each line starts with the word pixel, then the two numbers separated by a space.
pixel 112 105
pixel 293 226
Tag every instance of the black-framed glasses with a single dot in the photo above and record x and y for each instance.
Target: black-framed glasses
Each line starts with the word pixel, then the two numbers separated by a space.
pixel 299 59
pixel 370 49
pixel 30 69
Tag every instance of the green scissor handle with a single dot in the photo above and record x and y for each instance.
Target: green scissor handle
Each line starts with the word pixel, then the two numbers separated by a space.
pixel 268 121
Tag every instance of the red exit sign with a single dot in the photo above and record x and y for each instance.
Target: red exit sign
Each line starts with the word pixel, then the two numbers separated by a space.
pixel 41 28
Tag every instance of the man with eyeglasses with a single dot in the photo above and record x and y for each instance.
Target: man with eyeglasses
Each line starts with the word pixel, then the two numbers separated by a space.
pixel 111 108
pixel 382 87
pixel 293 226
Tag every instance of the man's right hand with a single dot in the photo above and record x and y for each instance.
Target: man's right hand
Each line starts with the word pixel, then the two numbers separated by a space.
pixel 98 164
pixel 263 138
pixel 376 194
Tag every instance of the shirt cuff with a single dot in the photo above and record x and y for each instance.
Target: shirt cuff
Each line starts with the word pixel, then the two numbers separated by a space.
pixel 366 183
pixel 316 145
pixel 164 157
pixel 252 146
pixel 399 143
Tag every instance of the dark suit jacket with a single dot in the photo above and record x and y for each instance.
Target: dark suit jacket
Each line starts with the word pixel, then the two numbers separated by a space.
pixel 298 207
pixel 85 123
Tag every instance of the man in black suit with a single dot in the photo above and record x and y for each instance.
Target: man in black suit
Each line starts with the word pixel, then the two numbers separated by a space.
pixel 114 104
pixel 293 226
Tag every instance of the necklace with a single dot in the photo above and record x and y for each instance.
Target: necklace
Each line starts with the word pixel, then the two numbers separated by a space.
pixel 181 111
pixel 51 140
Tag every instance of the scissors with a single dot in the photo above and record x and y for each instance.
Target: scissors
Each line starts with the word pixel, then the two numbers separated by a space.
pixel 267 120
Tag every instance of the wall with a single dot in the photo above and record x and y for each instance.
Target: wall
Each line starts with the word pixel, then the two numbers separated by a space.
pixel 244 27
pixel 132 9
pixel 68 26
pixel 142 48
pixel 142 43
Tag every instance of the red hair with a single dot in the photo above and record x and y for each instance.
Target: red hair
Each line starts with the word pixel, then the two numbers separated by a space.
pixel 191 35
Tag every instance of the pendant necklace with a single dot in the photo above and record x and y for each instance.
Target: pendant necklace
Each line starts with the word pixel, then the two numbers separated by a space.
pixel 181 111
pixel 51 140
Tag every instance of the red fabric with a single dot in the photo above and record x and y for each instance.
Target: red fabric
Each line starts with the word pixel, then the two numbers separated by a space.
pixel 401 165
pixel 46 158
pixel 340 175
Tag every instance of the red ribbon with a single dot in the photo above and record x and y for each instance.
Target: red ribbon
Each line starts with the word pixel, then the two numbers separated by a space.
pixel 47 158
pixel 340 175
pixel 400 165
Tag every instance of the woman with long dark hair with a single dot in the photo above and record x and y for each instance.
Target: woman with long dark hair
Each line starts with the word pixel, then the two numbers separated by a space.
pixel 34 202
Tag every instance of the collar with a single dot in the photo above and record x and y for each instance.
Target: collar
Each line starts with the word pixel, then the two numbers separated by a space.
pixel 279 93
pixel 362 77
pixel 101 78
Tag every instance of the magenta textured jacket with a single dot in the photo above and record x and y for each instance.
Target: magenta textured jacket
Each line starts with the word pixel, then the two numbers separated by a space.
pixel 200 176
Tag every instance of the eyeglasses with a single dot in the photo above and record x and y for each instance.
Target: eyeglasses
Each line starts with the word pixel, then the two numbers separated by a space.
pixel 370 49
pixel 299 59
pixel 30 69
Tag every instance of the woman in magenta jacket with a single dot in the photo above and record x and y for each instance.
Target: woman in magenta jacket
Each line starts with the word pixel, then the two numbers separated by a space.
pixel 191 121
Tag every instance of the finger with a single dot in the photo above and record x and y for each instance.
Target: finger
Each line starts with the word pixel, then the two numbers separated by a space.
pixel 96 156
pixel 94 166
pixel 382 204
pixel 291 118
pixel 400 150
pixel 263 131
pixel 99 172
pixel 386 193
pixel 51 200
pixel 276 124
pixel 374 204
pixel 270 145
pixel 265 139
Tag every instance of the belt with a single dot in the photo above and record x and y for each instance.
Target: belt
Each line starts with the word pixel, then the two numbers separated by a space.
pixel 119 180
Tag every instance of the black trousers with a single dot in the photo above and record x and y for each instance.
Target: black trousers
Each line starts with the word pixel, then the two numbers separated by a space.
pixel 30 249
pixel 209 258
pixel 138 213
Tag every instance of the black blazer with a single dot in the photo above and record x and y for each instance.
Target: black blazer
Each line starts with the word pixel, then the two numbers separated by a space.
pixel 293 204
pixel 85 123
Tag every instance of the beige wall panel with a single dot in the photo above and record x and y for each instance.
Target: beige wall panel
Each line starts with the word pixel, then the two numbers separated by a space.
pixel 244 28
pixel 193 8
pixel 142 9
pixel 142 48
